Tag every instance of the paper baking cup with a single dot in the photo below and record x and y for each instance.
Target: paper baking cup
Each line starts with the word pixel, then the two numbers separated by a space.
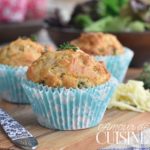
pixel 69 109
pixel 10 84
pixel 118 64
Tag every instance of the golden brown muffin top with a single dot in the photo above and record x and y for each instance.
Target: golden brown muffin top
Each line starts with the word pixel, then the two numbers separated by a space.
pixel 68 68
pixel 97 43
pixel 21 52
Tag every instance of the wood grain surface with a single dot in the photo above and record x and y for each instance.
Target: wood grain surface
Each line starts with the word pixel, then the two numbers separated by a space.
pixel 71 140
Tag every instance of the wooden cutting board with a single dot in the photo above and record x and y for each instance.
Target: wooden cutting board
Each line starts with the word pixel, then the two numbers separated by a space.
pixel 73 140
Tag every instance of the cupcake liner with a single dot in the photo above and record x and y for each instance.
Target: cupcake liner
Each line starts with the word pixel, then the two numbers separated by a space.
pixel 69 109
pixel 10 84
pixel 117 65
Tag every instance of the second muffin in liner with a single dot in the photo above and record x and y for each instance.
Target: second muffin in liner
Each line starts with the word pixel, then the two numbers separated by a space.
pixel 69 109
pixel 15 58
pixel 106 47
pixel 117 64
pixel 10 84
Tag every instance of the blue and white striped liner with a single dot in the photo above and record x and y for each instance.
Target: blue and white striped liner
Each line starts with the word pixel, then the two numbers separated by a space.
pixel 118 64
pixel 69 109
pixel 10 84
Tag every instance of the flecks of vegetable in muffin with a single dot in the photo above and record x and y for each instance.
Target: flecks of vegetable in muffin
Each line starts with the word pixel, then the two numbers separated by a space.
pixel 62 74
pixel 82 84
pixel 115 52
pixel 101 49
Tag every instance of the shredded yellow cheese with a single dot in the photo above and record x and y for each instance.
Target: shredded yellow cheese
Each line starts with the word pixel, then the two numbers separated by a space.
pixel 131 96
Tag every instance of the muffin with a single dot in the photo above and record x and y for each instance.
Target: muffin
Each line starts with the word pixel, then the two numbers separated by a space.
pixel 21 52
pixel 14 61
pixel 99 44
pixel 68 69
pixel 68 89
pixel 107 48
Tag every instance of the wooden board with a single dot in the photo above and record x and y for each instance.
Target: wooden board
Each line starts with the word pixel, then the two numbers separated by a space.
pixel 70 140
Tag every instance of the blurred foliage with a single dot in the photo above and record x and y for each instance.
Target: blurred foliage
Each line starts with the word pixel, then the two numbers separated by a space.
pixel 83 20
pixel 112 16
pixel 110 7
pixel 145 75
pixel 109 24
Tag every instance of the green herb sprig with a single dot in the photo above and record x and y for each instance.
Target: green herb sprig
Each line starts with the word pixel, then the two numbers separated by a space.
pixel 66 46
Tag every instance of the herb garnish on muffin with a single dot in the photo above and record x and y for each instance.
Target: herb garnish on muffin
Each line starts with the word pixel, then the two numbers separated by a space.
pixel 66 46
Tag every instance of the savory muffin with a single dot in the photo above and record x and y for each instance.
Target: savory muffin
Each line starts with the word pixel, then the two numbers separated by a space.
pixel 68 89
pixel 99 44
pixel 68 68
pixel 21 52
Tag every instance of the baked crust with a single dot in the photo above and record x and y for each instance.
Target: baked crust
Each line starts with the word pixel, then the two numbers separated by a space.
pixel 68 68
pixel 97 43
pixel 21 52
